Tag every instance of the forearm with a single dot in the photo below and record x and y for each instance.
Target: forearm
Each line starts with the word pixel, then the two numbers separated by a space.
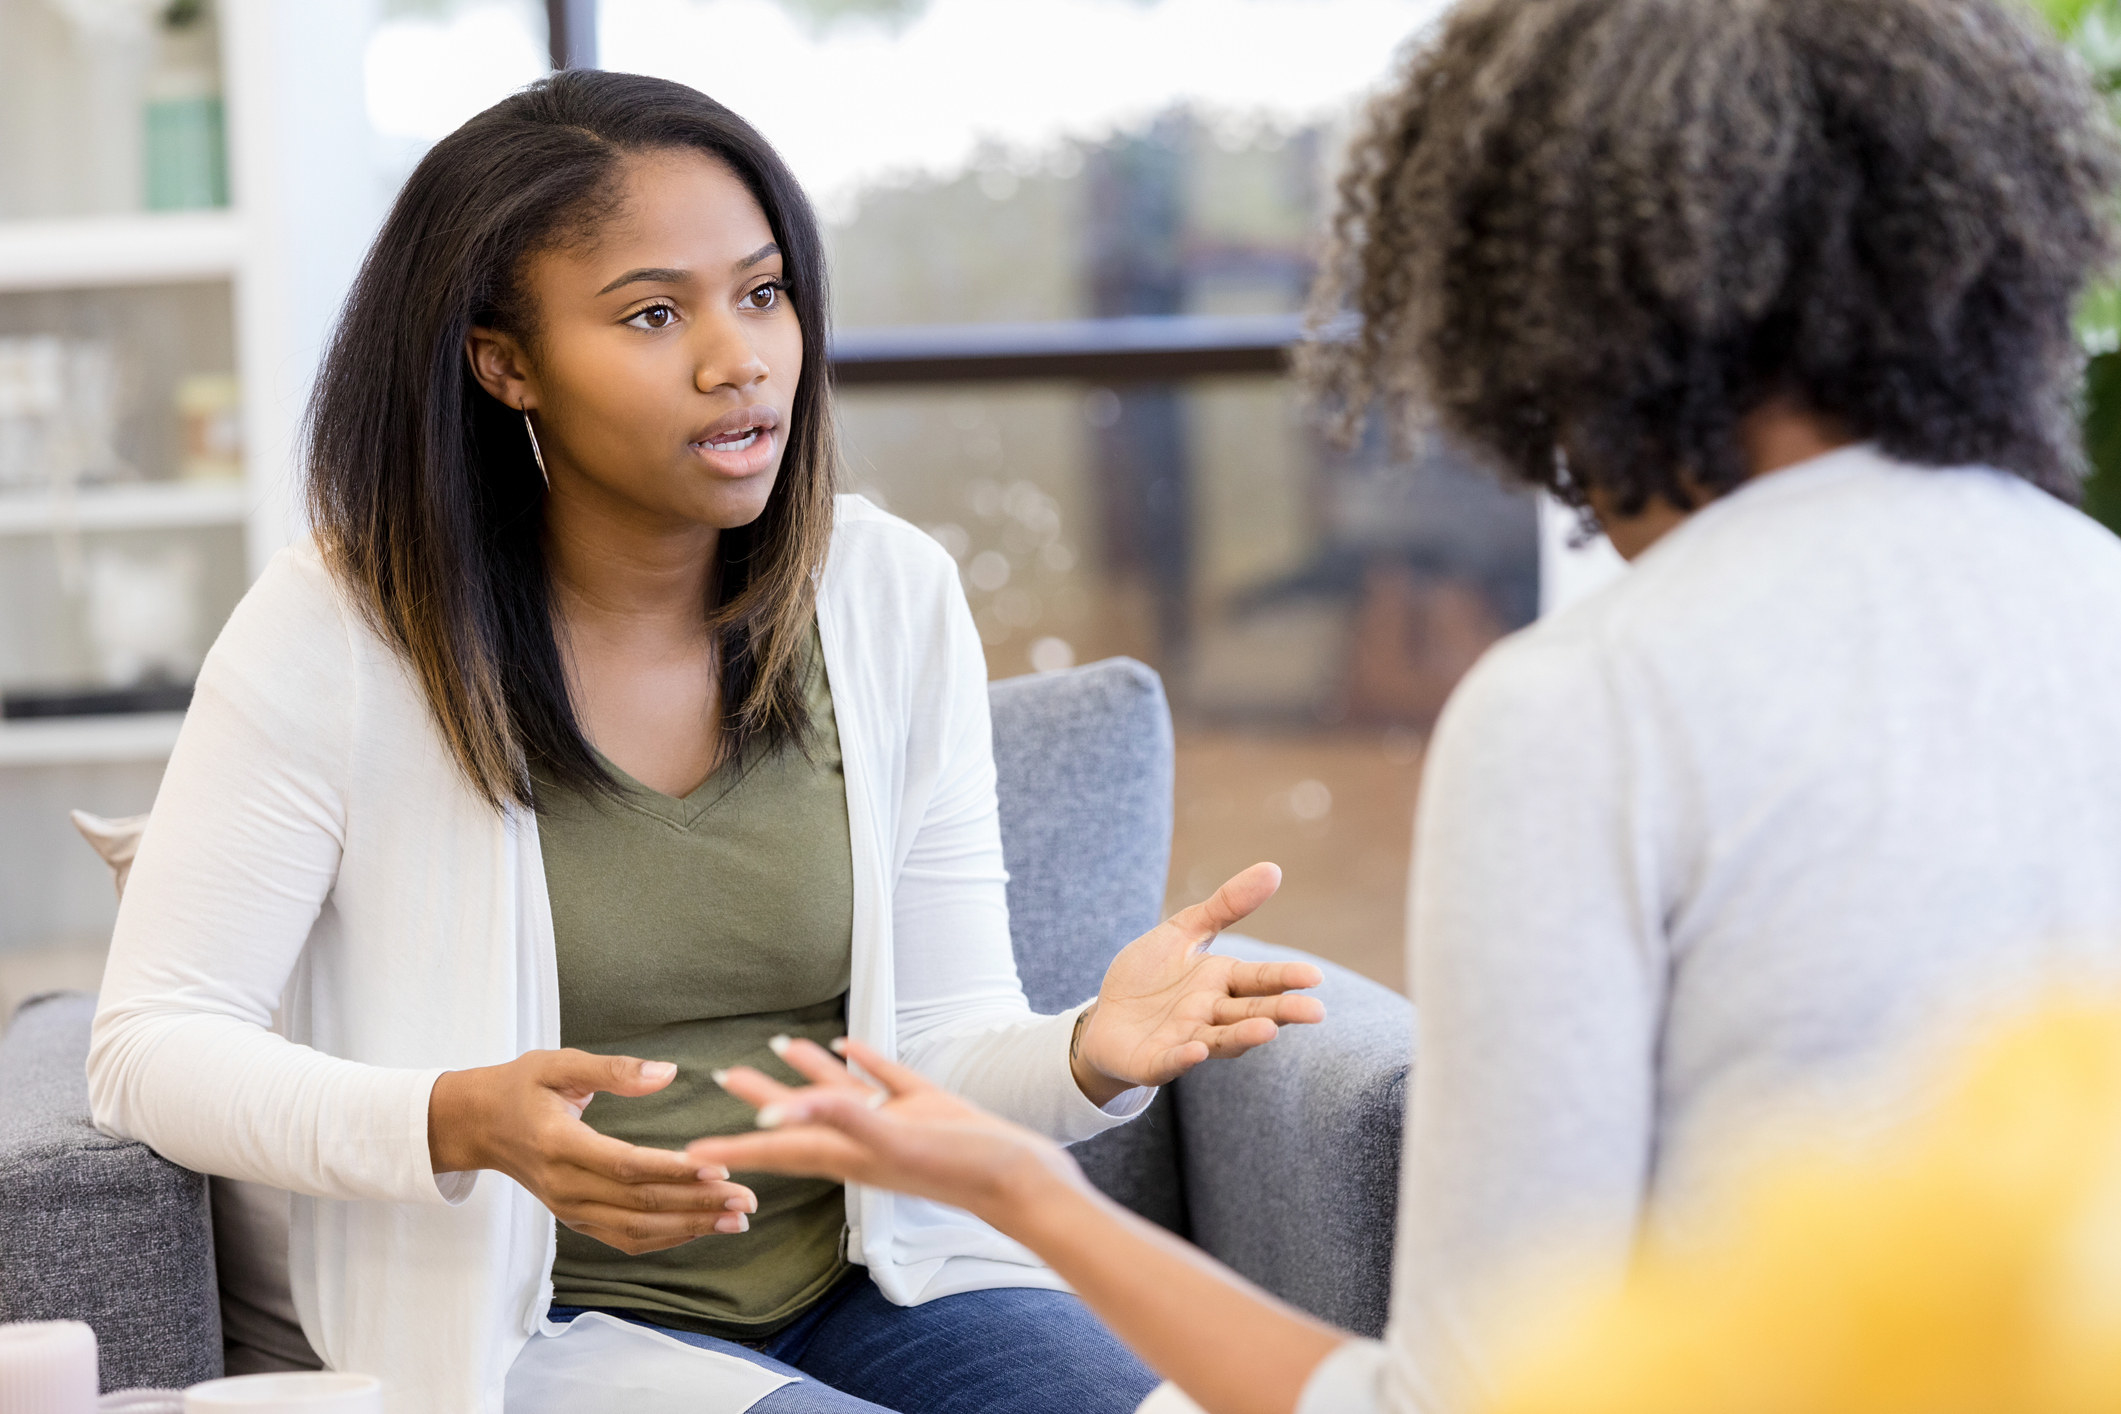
pixel 1019 1068
pixel 1233 1348
pixel 226 1097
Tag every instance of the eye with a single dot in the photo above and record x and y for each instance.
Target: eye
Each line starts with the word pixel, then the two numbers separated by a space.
pixel 766 296
pixel 655 316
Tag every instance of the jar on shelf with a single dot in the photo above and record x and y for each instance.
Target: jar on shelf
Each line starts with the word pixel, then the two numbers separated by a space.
pixel 209 410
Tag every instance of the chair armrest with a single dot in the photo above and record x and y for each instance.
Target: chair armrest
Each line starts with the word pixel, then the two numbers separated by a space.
pixel 98 1229
pixel 1291 1153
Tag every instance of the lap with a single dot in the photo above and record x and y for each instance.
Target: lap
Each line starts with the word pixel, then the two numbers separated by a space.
pixel 1012 1350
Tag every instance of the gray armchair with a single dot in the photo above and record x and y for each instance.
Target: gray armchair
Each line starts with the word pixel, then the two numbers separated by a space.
pixel 105 1231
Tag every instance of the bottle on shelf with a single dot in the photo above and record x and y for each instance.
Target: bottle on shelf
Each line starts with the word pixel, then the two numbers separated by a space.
pixel 186 151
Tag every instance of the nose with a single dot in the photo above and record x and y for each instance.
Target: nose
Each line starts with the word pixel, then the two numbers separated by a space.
pixel 727 358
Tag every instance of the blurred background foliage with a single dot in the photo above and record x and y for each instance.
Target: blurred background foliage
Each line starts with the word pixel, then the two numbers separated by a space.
pixel 2092 28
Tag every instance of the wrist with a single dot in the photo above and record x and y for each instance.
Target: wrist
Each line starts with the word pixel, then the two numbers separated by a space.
pixel 1034 1187
pixel 452 1130
pixel 1098 1086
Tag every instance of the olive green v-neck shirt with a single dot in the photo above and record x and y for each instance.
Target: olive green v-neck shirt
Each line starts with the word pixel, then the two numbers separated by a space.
pixel 691 930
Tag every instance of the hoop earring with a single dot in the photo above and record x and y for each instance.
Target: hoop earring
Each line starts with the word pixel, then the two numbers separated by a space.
pixel 536 451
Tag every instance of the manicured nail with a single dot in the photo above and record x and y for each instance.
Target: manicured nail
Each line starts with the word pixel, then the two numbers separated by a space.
pixel 657 1070
pixel 778 1045
pixel 736 1204
pixel 719 1077
pixel 839 1046
pixel 771 1117
pixel 734 1222
pixel 714 1173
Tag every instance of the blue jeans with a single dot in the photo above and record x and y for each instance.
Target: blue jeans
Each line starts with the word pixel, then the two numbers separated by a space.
pixel 1012 1350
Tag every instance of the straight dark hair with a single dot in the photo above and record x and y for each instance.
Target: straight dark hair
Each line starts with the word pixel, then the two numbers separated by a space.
pixel 426 500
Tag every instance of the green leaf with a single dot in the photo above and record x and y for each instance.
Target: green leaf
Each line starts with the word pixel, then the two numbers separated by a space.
pixel 2068 15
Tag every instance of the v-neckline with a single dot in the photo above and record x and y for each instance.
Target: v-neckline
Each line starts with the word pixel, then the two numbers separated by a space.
pixel 683 811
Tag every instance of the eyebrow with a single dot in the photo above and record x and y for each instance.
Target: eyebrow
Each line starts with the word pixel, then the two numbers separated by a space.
pixel 665 275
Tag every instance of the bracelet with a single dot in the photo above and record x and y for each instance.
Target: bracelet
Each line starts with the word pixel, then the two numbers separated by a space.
pixel 1075 1038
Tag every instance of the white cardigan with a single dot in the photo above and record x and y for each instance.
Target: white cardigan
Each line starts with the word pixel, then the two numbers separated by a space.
pixel 324 917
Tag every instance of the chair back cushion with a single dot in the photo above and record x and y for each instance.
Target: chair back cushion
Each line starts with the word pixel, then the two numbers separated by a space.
pixel 1083 768
pixel 1083 764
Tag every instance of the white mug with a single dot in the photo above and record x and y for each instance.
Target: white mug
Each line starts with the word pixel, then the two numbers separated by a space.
pixel 308 1392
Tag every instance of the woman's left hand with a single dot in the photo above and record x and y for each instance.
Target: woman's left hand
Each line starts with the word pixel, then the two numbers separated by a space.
pixel 1167 1003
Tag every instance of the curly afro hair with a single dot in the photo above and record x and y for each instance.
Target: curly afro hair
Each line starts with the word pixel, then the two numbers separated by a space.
pixel 1614 227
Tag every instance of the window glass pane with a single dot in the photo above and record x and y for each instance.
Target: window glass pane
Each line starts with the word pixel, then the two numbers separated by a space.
pixel 1066 159
pixel 1308 608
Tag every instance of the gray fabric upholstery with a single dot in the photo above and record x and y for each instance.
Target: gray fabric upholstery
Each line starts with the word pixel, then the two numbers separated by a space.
pixel 1083 767
pixel 1282 1164
pixel 97 1229
pixel 1291 1153
pixel 1082 761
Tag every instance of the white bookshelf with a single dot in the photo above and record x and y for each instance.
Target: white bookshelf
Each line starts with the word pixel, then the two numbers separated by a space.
pixel 80 741
pixel 137 506
pixel 93 251
pixel 305 206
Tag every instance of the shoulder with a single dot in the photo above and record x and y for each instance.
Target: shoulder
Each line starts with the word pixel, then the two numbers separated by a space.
pixel 882 568
pixel 1543 690
pixel 296 614
pixel 878 542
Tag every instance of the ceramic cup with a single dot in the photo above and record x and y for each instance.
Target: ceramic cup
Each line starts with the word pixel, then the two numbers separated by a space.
pixel 310 1392
pixel 142 1401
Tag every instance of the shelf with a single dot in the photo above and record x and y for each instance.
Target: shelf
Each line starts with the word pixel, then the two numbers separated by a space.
pixel 147 736
pixel 163 248
pixel 148 506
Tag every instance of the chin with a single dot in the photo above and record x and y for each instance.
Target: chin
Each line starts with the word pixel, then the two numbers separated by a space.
pixel 732 505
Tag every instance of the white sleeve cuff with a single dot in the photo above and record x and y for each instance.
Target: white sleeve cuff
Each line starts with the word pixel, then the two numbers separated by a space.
pixel 449 1188
pixel 1349 1381
pixel 1084 1120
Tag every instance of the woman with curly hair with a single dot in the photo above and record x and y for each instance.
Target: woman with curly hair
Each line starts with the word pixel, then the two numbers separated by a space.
pixel 1779 294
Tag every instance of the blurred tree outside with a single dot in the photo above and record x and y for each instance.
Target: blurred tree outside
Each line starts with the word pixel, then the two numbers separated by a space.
pixel 2092 29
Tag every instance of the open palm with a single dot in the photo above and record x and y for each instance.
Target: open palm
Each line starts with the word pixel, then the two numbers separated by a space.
pixel 1167 1003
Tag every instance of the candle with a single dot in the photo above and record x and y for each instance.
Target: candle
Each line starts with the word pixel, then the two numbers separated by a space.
pixel 310 1392
pixel 48 1367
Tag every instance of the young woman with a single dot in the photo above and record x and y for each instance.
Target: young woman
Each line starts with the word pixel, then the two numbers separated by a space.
pixel 1780 290
pixel 591 744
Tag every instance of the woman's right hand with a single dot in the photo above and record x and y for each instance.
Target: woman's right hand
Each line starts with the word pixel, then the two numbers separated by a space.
pixel 524 1119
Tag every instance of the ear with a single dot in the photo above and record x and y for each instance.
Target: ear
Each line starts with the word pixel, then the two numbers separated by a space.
pixel 498 363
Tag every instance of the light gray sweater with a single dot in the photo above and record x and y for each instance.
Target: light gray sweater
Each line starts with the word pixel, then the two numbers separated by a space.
pixel 1837 758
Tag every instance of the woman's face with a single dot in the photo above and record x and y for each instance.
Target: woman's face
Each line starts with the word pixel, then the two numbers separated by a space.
pixel 666 353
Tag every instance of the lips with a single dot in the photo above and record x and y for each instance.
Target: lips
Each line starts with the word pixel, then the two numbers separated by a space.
pixel 740 443
pixel 735 431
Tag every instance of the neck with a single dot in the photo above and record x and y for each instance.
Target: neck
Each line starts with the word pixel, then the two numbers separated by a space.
pixel 1777 434
pixel 624 574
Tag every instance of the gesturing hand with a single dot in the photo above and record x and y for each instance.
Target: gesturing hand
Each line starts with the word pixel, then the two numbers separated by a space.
pixel 524 1119
pixel 1167 1003
pixel 908 1135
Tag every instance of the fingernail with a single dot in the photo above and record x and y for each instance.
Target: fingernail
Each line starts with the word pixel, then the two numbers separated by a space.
pixel 657 1070
pixel 771 1117
pixel 877 1100
pixel 734 1222
pixel 719 1077
pixel 714 1173
pixel 839 1046
pixel 736 1204
pixel 778 1045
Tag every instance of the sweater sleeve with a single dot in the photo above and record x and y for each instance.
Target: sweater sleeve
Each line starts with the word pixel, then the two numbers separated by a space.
pixel 963 1020
pixel 1538 970
pixel 239 857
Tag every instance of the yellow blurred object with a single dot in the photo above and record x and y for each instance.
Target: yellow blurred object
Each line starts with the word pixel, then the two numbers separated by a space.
pixel 210 407
pixel 1970 1264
